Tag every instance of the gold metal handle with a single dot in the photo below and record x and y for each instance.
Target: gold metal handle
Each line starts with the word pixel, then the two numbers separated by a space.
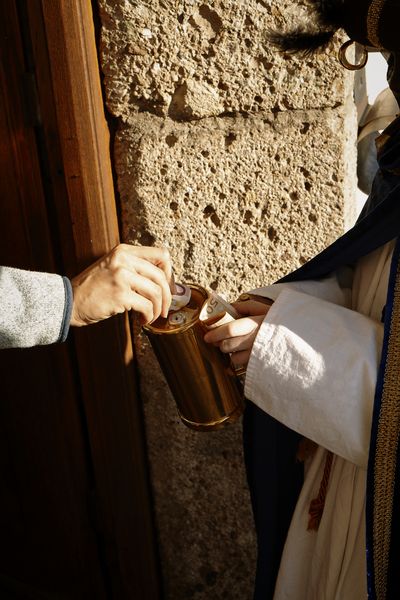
pixel 256 298
pixel 240 370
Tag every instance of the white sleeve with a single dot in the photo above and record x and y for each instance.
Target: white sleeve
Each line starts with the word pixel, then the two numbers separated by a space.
pixel 314 368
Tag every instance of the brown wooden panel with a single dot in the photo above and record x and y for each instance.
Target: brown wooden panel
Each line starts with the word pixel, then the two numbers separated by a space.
pixel 77 510
pixel 105 354
pixel 82 127
pixel 47 538
pixel 22 209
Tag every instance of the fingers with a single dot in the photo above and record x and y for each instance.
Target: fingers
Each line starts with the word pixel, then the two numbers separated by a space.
pixel 237 344
pixel 251 307
pixel 143 306
pixel 156 276
pixel 148 290
pixel 237 328
pixel 236 338
pixel 160 257
pixel 128 257
pixel 126 278
pixel 240 359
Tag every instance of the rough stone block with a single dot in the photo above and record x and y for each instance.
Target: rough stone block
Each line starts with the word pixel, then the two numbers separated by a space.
pixel 194 59
pixel 239 201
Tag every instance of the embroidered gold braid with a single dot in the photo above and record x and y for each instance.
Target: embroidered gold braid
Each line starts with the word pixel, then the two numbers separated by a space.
pixel 386 451
pixel 374 13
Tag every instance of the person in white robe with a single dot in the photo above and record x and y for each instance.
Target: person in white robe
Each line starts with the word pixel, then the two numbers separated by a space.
pixel 313 356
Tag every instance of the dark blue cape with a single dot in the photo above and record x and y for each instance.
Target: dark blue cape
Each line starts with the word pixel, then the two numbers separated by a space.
pixel 274 475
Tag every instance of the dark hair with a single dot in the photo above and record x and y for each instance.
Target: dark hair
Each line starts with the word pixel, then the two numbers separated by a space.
pixel 329 17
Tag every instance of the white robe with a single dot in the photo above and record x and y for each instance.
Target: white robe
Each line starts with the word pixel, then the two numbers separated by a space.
pixel 314 367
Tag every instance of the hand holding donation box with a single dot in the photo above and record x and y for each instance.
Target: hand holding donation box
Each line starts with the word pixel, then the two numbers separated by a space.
pixel 206 390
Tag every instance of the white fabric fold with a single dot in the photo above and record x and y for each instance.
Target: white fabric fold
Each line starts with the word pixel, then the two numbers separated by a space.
pixel 294 372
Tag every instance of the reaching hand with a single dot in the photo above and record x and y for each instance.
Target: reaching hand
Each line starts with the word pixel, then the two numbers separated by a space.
pixel 237 337
pixel 127 278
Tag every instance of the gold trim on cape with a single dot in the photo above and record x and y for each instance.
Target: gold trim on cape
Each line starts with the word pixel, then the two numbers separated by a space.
pixel 385 462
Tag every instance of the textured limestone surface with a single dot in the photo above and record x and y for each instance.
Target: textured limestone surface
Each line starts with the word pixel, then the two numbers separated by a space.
pixel 242 161
pixel 236 203
pixel 190 59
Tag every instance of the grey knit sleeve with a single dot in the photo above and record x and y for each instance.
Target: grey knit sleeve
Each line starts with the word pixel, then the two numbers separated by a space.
pixel 35 308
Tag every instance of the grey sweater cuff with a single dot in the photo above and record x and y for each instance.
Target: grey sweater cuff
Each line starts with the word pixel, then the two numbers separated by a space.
pixel 35 308
pixel 69 300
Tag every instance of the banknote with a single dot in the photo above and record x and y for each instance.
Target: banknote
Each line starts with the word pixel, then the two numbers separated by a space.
pixel 181 297
pixel 217 311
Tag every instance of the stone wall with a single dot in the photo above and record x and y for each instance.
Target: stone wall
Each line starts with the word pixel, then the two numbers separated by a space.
pixel 241 160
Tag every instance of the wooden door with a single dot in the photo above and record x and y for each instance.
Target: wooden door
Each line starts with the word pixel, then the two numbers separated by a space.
pixel 75 506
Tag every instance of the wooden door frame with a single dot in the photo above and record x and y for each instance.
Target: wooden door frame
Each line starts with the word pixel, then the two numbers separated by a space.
pixel 81 203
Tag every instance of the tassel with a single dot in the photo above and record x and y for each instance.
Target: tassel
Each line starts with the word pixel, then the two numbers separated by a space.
pixel 308 38
pixel 300 41
pixel 317 505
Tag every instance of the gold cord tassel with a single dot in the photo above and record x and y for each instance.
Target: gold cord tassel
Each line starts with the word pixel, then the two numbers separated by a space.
pixel 317 505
